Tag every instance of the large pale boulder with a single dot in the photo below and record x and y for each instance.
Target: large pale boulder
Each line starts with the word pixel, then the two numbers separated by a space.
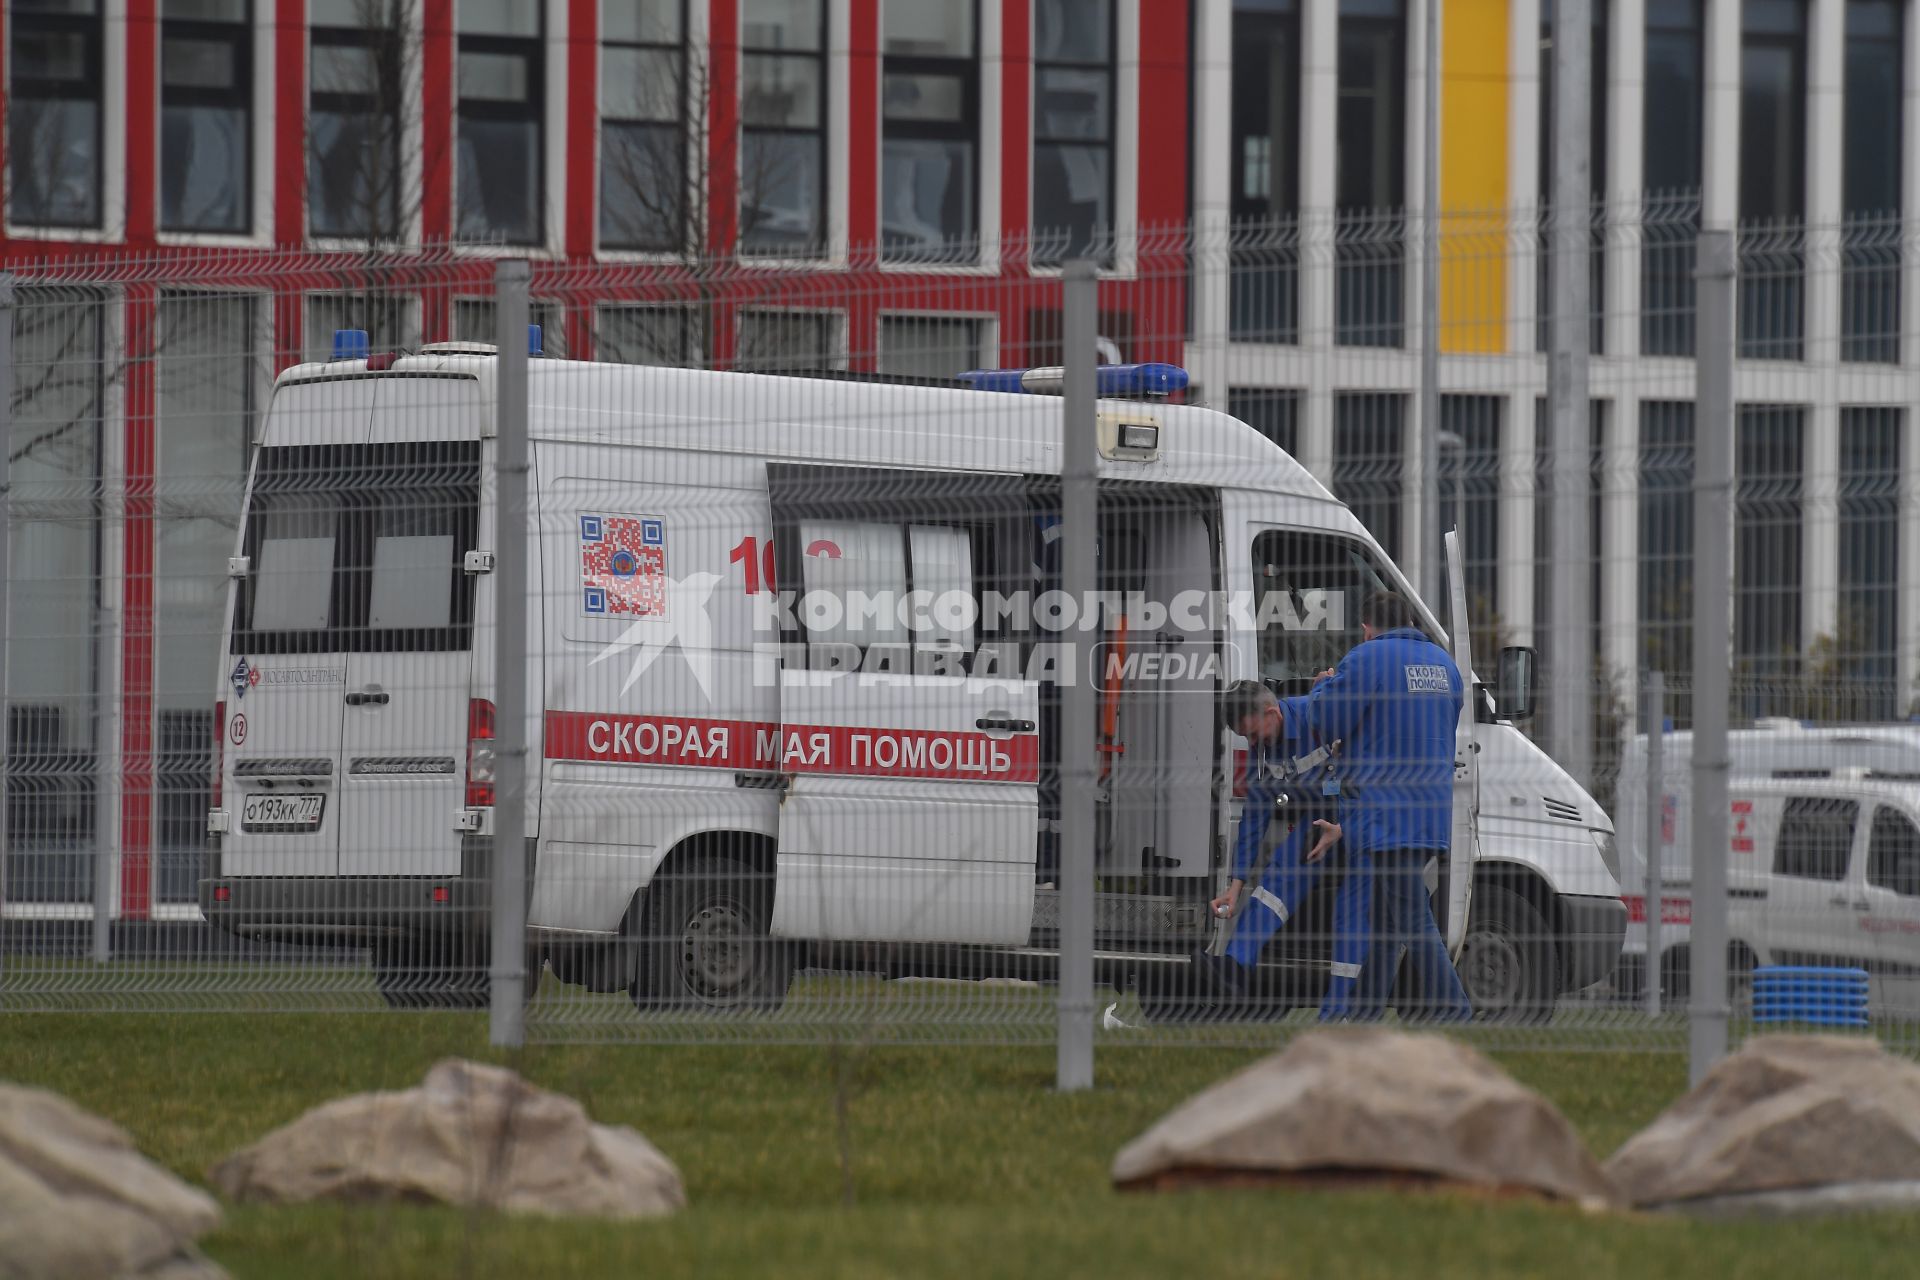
pixel 77 1200
pixel 469 1134
pixel 1783 1117
pixel 1350 1104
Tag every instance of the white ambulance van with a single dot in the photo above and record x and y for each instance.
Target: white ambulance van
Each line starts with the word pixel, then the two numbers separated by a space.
pixel 1823 850
pixel 741 769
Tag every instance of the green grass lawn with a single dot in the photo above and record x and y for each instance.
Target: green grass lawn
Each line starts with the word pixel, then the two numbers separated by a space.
pixel 963 1163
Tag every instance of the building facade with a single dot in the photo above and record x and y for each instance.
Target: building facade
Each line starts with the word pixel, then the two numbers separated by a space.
pixel 1790 121
pixel 931 163
pixel 915 156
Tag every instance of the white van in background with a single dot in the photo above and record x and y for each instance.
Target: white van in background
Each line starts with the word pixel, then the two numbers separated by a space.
pixel 705 815
pixel 1823 854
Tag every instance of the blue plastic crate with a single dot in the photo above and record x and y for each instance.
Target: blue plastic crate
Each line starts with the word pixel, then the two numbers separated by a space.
pixel 1812 994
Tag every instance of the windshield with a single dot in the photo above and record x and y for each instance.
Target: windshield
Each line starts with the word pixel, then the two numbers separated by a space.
pixel 1308 588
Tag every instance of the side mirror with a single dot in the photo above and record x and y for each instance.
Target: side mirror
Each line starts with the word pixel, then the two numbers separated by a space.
pixel 1517 689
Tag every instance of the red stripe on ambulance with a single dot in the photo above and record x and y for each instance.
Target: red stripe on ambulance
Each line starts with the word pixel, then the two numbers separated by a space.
pixel 909 753
pixel 716 744
pixel 763 747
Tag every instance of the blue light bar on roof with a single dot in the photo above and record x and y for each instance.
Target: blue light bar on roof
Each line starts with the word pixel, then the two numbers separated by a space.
pixel 1108 380
pixel 350 344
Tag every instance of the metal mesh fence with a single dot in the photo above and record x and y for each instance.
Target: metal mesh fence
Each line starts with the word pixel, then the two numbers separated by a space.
pixel 798 633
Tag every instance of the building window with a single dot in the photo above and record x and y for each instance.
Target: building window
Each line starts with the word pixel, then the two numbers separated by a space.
pixel 1597 165
pixel 1073 125
pixel 1470 499
pixel 1666 538
pixel 783 108
pixel 356 119
pixel 1671 140
pixel 391 322
pixel 644 97
pixel 1873 167
pixel 502 96
pixel 1368 467
pixel 930 130
pixel 1866 638
pixel 206 108
pixel 1370 174
pixel 1265 172
pixel 207 381
pixel 1768 515
pixel 1773 174
pixel 1543 567
pixel 54 115
pixel 473 321
pixel 791 341
pixel 932 347
pixel 53 663
pixel 1273 412
pixel 649 335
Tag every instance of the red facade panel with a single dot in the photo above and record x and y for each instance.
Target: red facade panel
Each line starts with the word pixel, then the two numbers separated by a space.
pixel 1147 316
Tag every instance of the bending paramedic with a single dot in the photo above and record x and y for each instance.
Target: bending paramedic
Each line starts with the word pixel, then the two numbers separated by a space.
pixel 1281 760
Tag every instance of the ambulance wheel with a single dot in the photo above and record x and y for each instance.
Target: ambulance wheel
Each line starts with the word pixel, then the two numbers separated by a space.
pixel 708 943
pixel 431 971
pixel 1676 978
pixel 1507 959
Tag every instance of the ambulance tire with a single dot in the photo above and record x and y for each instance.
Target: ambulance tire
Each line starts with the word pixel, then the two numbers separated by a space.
pixel 1507 961
pixel 431 971
pixel 1676 978
pixel 707 945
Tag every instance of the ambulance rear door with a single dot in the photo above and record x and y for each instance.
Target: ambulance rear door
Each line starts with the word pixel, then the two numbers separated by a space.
pixel 406 701
pixel 909 734
pixel 285 667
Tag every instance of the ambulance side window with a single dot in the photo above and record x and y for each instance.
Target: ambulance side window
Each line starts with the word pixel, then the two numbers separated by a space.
pixel 1893 853
pixel 1816 838
pixel 871 583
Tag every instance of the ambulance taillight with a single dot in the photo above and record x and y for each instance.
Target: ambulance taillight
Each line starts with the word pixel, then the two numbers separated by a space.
pixel 479 753
pixel 219 748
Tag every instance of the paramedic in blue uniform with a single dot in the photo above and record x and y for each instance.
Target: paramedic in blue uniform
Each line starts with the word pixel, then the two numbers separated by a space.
pixel 1274 730
pixel 1394 704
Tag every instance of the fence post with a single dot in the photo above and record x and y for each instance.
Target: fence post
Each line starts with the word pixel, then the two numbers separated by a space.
pixel 1433 568
pixel 1570 635
pixel 506 1024
pixel 1655 831
pixel 1079 515
pixel 6 568
pixel 1712 609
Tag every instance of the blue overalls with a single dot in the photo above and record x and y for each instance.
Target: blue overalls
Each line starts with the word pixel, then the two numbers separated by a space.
pixel 1394 703
pixel 1289 877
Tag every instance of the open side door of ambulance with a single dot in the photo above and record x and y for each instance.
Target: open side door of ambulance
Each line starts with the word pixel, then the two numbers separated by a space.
pixel 909 735
pixel 1466 764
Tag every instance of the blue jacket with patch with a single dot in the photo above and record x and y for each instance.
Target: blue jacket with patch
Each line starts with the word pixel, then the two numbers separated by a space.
pixel 1270 774
pixel 1394 703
